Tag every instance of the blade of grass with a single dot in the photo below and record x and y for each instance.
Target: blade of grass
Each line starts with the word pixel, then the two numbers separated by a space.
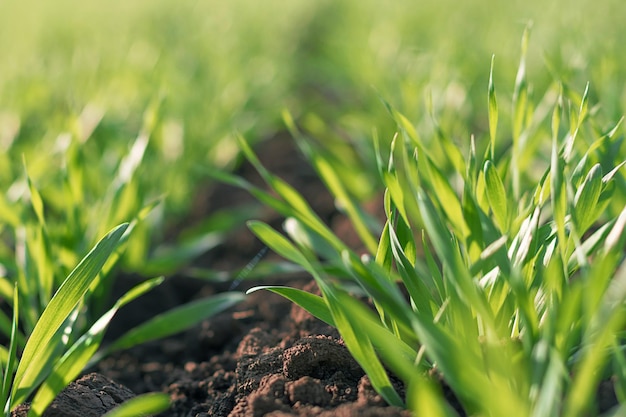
pixel 141 405
pixel 450 150
pixel 11 356
pixel 448 253
pixel 520 108
pixel 583 388
pixel 425 398
pixel 448 199
pixel 356 340
pixel 333 182
pixel 348 320
pixel 80 353
pixel 496 195
pixel 492 106
pixel 312 303
pixel 60 307
pixel 175 320
pixel 391 348
pixel 558 197
pixel 586 198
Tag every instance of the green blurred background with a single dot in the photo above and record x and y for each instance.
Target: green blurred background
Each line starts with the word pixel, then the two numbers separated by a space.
pixel 80 81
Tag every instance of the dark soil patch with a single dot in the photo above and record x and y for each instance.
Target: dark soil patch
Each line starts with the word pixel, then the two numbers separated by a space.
pixel 265 357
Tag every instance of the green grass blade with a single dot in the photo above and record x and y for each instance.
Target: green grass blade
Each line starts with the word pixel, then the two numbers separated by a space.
pixel 448 199
pixel 433 268
pixel 333 182
pixel 312 303
pixel 141 405
pixel 398 354
pixel 419 292
pixel 586 199
pixel 176 320
pixel 308 240
pixel 576 120
pixel 60 307
pixel 380 287
pixel 405 126
pixel 558 194
pixel 4 358
pixel 35 199
pixel 496 194
pixel 282 246
pixel 264 197
pixel 615 239
pixel 395 192
pixel 290 204
pixel 550 391
pixel 277 242
pixel 492 105
pixel 520 93
pixel 608 177
pixel 449 254
pixel 285 191
pixel 351 327
pixel 520 110
pixel 11 361
pixel 604 318
pixel 82 352
pixel 424 398
pixel 383 254
pixel 348 320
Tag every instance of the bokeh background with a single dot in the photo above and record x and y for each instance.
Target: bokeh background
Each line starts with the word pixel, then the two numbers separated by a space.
pixel 94 95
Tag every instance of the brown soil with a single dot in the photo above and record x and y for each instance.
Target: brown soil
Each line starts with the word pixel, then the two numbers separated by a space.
pixel 264 357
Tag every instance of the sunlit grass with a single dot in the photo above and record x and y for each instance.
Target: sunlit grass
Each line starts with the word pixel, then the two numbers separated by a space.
pixel 507 283
pixel 53 354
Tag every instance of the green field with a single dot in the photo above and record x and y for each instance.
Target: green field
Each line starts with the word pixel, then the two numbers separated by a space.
pixel 494 127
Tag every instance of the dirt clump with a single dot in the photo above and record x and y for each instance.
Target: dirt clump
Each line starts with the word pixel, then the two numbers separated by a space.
pixel 90 396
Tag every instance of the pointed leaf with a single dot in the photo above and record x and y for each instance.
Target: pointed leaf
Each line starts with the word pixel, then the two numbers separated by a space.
pixel 492 105
pixel 312 303
pixel 11 354
pixel 177 319
pixel 81 352
pixel 60 307
pixel 496 194
pixel 141 405
pixel 586 199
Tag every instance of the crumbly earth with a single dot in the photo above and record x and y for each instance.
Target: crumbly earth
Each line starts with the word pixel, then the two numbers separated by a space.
pixel 90 396
pixel 264 357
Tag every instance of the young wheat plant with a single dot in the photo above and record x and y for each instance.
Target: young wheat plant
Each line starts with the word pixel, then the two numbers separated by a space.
pixel 499 273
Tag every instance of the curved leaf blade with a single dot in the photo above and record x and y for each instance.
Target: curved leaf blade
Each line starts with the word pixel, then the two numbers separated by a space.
pixel 56 312
pixel 176 320
pixel 142 405
pixel 81 352
pixel 496 195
